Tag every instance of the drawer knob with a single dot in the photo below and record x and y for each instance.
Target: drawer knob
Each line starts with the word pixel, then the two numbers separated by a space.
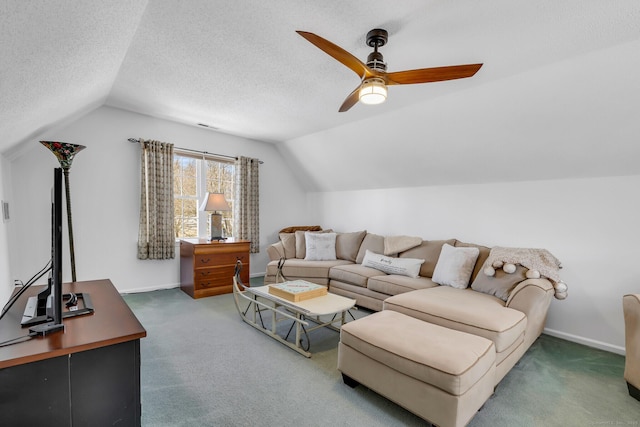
pixel 205 261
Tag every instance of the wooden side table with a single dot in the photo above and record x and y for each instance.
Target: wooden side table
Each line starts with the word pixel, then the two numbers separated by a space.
pixel 207 268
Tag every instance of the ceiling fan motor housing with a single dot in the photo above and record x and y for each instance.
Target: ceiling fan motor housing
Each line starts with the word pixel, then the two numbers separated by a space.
pixel 377 38
pixel 375 61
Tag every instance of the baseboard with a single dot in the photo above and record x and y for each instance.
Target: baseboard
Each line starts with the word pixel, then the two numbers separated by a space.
pixel 585 341
pixel 151 288
pixel 168 286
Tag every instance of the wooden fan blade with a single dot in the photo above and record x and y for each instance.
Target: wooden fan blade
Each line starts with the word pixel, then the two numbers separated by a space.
pixel 351 100
pixel 339 54
pixel 427 75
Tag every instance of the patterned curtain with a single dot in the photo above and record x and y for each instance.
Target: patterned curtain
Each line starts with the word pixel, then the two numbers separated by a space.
pixel 156 236
pixel 246 210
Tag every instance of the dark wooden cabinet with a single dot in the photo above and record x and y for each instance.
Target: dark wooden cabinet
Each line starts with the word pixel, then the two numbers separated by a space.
pixel 87 375
pixel 207 268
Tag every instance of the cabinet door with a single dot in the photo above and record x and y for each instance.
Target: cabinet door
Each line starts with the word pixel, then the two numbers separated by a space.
pixel 36 394
pixel 105 383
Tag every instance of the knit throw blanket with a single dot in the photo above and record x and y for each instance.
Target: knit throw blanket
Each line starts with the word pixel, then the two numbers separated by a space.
pixel 534 259
pixel 397 244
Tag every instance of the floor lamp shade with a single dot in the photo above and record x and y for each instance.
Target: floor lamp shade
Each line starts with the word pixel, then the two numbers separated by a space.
pixel 214 203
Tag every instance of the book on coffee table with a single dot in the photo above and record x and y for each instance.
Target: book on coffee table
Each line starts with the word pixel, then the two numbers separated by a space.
pixel 297 290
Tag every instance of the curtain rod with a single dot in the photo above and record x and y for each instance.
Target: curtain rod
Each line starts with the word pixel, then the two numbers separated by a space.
pixel 135 140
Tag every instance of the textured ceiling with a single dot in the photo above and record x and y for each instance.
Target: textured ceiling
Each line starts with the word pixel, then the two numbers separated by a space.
pixel 240 66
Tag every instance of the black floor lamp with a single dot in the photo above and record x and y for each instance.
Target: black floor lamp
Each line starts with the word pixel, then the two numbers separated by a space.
pixel 65 152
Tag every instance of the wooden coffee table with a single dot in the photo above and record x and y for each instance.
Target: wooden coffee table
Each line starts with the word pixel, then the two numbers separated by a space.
pixel 332 307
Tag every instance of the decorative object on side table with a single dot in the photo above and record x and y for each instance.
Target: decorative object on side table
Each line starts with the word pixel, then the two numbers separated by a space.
pixel 214 203
pixel 65 153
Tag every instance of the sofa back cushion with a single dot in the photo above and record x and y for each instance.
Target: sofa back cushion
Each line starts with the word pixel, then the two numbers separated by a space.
pixel 348 245
pixel 372 242
pixel 429 251
pixel 289 243
pixel 301 244
pixel 484 254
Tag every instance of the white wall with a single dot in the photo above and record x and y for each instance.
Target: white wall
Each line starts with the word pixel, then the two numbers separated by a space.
pixel 6 284
pixel 105 194
pixel 591 225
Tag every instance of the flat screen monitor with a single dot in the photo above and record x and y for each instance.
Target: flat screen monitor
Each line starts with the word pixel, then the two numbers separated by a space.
pixel 47 306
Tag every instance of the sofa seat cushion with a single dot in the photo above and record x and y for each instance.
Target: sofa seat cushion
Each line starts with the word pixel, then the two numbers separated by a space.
pixel 464 310
pixel 355 274
pixel 450 360
pixel 394 284
pixel 364 296
pixel 297 268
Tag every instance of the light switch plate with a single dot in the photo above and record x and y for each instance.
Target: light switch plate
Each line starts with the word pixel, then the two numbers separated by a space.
pixel 5 211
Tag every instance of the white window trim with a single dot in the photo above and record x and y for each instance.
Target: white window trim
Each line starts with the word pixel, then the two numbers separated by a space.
pixel 201 185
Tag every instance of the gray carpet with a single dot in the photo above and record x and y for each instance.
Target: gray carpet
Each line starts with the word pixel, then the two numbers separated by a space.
pixel 203 366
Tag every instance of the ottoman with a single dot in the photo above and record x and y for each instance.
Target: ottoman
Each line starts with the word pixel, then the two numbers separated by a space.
pixel 442 375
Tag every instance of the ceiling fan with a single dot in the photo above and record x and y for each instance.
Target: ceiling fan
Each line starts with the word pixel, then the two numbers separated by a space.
pixel 375 79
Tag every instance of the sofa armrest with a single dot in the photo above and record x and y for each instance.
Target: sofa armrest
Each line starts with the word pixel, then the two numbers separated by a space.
pixel 532 297
pixel 275 251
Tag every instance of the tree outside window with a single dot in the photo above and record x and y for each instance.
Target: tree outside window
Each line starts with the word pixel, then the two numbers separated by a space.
pixel 193 178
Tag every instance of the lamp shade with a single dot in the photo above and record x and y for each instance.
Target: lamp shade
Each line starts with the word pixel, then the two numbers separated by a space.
pixel 214 202
pixel 63 151
pixel 373 91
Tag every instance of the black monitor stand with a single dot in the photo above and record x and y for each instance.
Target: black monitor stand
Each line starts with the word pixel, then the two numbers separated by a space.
pixel 35 311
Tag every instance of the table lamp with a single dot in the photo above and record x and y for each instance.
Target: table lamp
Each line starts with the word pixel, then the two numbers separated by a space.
pixel 213 203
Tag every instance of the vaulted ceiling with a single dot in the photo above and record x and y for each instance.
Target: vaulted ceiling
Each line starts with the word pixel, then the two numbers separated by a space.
pixel 239 66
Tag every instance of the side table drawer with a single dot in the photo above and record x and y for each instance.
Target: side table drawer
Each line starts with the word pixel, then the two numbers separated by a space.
pixel 212 277
pixel 212 260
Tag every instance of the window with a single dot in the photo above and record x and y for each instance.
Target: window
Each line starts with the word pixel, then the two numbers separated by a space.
pixel 193 177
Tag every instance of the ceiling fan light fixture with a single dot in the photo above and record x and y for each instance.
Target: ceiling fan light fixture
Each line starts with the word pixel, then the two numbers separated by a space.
pixel 373 91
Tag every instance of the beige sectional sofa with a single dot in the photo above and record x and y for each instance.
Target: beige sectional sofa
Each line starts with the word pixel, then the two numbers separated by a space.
pixel 507 311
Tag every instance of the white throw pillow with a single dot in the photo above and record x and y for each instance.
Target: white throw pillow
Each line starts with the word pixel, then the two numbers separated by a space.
pixel 320 246
pixel 402 266
pixel 455 266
